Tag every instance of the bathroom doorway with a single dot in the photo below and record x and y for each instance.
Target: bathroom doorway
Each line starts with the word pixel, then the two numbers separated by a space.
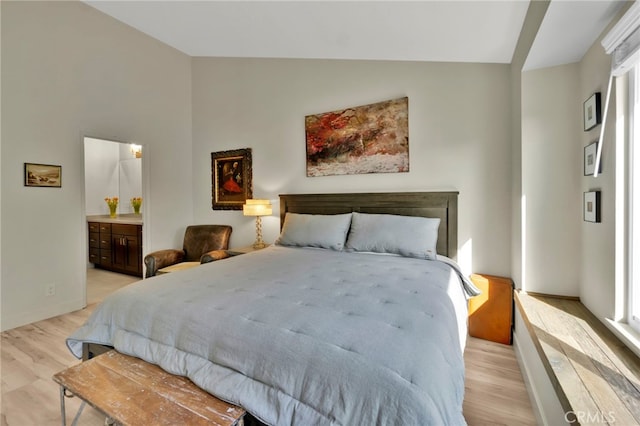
pixel 113 170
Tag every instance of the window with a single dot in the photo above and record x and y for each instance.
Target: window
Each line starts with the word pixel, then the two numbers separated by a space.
pixel 633 155
pixel 622 42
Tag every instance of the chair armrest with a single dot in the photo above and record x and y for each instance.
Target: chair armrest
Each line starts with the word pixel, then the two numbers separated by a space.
pixel 214 255
pixel 161 259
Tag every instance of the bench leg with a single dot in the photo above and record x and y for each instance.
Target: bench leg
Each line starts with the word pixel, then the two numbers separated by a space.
pixel 63 411
pixel 77 417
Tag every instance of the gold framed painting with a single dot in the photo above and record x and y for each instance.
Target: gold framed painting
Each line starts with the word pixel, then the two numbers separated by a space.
pixel 42 175
pixel 231 179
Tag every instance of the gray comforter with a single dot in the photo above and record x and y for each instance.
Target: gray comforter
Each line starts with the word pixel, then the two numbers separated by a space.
pixel 302 336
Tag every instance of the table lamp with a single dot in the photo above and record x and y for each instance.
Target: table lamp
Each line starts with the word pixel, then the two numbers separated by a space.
pixel 257 208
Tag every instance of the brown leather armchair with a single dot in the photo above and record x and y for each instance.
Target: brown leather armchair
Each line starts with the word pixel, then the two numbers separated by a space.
pixel 202 243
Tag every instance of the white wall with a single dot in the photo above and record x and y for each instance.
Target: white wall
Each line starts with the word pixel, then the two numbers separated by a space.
pixel 69 71
pixel 597 275
pixel 110 170
pixel 459 125
pixel 551 172
pixel 101 159
pixel 129 182
pixel 530 27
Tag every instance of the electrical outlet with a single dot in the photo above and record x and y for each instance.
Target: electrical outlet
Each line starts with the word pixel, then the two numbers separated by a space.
pixel 51 289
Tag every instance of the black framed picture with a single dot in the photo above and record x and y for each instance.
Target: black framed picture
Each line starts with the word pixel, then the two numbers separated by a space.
pixel 590 152
pixel 592 111
pixel 592 206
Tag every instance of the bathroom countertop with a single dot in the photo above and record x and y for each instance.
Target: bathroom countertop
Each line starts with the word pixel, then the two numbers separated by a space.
pixel 128 218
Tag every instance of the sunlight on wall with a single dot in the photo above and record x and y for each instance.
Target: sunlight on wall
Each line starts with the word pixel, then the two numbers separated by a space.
pixel 465 257
pixel 523 244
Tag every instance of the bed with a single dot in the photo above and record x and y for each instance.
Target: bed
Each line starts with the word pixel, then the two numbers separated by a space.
pixel 348 319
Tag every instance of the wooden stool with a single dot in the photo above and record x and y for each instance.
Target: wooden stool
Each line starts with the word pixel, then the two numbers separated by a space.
pixel 130 391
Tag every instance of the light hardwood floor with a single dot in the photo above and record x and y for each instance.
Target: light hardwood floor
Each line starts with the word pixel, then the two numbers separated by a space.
pixel 494 393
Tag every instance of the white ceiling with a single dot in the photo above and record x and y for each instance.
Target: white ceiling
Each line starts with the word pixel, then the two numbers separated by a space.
pixel 442 31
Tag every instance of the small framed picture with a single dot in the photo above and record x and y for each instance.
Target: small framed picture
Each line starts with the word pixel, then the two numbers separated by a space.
pixel 231 179
pixel 590 152
pixel 592 113
pixel 592 206
pixel 43 175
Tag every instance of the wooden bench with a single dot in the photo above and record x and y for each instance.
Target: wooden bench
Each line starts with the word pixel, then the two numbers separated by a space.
pixel 130 391
pixel 595 376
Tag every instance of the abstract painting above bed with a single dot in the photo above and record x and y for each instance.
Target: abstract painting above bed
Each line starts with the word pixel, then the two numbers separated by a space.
pixel 364 139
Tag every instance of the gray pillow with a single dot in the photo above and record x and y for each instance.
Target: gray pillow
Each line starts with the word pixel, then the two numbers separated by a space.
pixel 408 236
pixel 315 230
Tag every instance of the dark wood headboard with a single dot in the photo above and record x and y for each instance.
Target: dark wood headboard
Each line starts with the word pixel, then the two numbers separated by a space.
pixel 443 205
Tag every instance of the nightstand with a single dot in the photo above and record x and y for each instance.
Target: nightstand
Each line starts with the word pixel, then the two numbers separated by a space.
pixel 491 313
pixel 243 250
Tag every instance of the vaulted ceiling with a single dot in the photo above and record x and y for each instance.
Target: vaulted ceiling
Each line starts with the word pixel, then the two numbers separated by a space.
pixel 441 31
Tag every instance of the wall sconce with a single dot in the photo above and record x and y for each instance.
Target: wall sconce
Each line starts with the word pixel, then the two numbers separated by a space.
pixel 257 208
pixel 136 150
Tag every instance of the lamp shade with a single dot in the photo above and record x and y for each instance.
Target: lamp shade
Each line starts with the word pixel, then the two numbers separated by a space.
pixel 257 208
